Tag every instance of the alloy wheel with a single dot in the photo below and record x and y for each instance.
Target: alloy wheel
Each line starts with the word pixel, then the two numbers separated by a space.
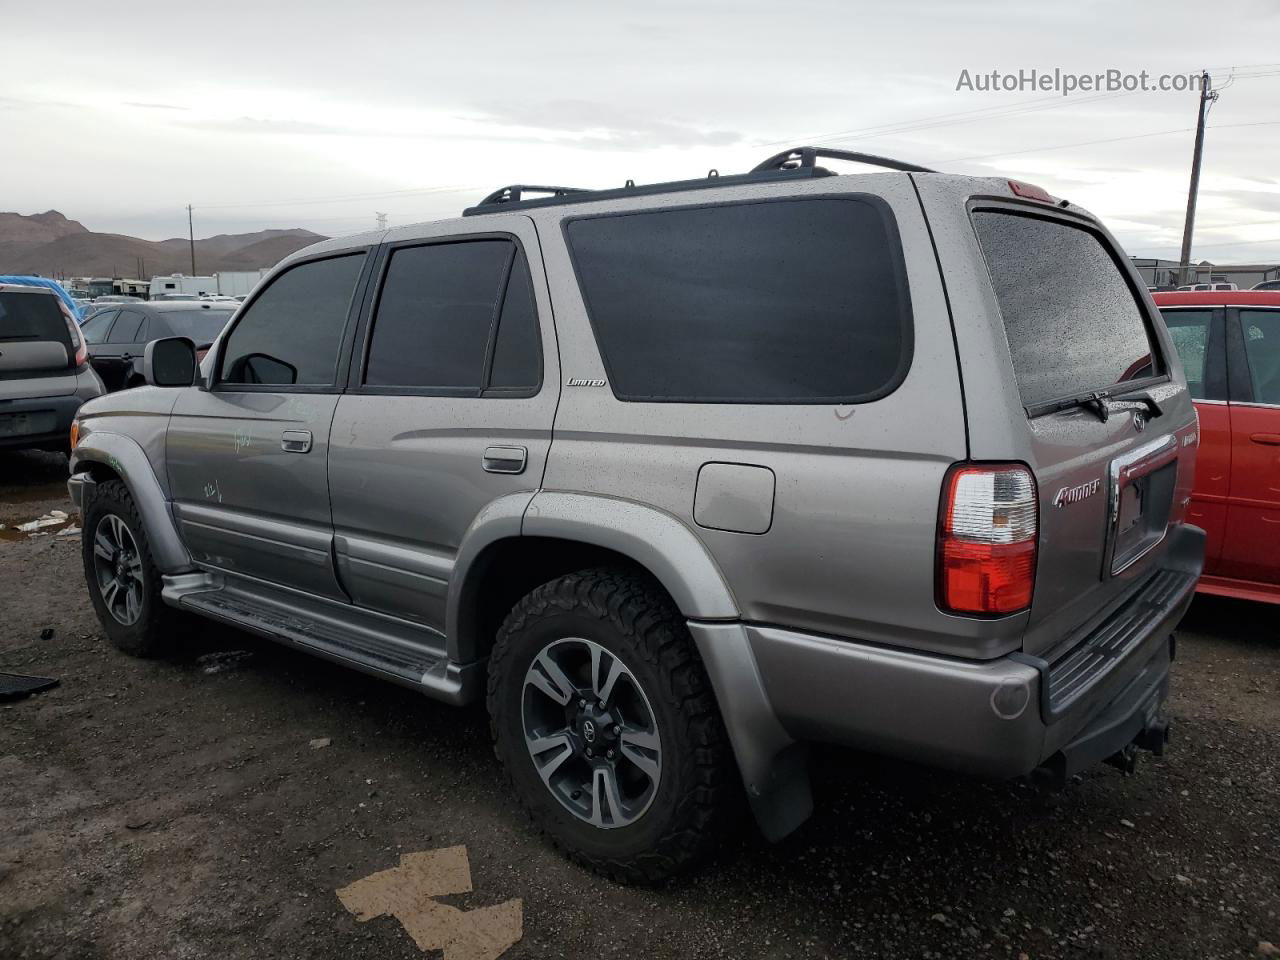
pixel 117 566
pixel 591 732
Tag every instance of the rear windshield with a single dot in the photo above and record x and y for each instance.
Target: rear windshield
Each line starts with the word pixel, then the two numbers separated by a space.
pixel 31 316
pixel 1072 321
pixel 789 301
pixel 200 325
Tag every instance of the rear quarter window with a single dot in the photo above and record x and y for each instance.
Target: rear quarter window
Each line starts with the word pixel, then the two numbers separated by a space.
pixel 1073 323
pixel 788 301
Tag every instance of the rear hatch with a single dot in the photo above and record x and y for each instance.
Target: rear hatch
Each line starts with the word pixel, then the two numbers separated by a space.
pixel 1092 406
pixel 37 354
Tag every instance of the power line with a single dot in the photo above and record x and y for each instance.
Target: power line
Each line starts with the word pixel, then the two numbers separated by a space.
pixel 343 199
pixel 1086 143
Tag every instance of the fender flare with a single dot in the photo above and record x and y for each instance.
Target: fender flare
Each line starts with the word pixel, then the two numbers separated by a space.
pixel 656 540
pixel 124 457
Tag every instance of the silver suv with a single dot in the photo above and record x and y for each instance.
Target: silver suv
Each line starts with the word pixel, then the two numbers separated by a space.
pixel 681 478
pixel 44 369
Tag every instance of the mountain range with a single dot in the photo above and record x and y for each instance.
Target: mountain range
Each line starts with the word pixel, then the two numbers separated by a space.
pixel 48 244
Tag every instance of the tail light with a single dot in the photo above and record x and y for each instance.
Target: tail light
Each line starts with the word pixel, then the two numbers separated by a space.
pixel 77 338
pixel 987 539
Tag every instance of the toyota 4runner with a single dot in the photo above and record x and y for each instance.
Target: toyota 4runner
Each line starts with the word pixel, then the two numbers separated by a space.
pixel 679 478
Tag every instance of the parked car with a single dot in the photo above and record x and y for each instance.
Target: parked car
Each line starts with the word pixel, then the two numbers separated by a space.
pixel 895 460
pixel 1230 349
pixel 118 336
pixel 44 369
pixel 1267 285
pixel 1203 287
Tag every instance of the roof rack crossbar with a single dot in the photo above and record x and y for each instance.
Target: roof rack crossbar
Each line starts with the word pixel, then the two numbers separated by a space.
pixel 516 191
pixel 800 157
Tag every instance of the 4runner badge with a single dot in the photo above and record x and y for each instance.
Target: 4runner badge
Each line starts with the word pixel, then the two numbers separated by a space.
pixel 1075 494
pixel 583 382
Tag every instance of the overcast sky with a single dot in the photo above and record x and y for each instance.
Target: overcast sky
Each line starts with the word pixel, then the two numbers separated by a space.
pixel 321 114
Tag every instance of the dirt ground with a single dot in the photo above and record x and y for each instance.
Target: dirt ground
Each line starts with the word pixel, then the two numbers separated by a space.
pixel 176 809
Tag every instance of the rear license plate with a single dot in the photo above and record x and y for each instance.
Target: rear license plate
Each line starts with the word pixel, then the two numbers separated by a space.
pixel 26 423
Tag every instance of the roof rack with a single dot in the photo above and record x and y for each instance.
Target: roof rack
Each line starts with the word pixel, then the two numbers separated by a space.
pixel 798 158
pixel 788 165
pixel 516 191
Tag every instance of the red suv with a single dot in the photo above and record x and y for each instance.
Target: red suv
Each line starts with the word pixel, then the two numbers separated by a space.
pixel 1229 342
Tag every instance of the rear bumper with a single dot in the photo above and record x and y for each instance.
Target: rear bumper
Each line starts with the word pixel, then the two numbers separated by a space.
pixel 998 717
pixel 58 412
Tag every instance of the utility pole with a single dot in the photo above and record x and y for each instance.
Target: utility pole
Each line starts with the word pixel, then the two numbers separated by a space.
pixel 1207 96
pixel 191 233
pixel 380 220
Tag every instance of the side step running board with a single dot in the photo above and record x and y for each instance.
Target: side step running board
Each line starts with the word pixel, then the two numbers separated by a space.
pixel 403 652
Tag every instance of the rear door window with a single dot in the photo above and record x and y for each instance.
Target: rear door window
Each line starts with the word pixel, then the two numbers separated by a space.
pixel 455 318
pixel 291 333
pixel 96 327
pixel 1201 359
pixel 1261 331
pixel 128 328
pixel 790 301
pixel 1073 323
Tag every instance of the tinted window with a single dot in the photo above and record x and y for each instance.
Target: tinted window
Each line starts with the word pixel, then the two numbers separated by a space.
pixel 127 328
pixel 291 333
pixel 517 357
pixel 96 327
pixel 1189 330
pixel 1072 321
pixel 198 325
pixel 32 316
pixel 1261 329
pixel 435 315
pixel 797 301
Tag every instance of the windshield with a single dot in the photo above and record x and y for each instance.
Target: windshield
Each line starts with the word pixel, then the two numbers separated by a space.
pixel 1073 323
pixel 200 325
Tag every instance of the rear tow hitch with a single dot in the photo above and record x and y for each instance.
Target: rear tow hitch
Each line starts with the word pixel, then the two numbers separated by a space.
pixel 1153 738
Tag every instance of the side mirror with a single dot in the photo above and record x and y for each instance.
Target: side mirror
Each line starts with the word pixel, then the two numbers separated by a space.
pixel 170 362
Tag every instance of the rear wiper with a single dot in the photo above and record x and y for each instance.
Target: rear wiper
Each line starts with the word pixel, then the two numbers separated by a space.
pixel 1103 403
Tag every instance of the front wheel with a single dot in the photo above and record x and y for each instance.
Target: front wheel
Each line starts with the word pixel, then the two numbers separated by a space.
pixel 603 716
pixel 124 583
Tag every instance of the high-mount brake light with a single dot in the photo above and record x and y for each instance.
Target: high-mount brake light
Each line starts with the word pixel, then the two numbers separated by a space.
pixel 987 539
pixel 1029 191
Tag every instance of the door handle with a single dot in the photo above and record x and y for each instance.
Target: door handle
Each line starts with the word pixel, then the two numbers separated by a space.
pixel 1270 439
pixel 296 441
pixel 505 459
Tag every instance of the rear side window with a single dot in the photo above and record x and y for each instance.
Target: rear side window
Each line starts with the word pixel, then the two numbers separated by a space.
pixel 1073 324
pixel 291 333
pixel 1261 329
pixel 32 316
pixel 95 328
pixel 129 328
pixel 455 318
pixel 201 326
pixel 1189 330
pixel 794 301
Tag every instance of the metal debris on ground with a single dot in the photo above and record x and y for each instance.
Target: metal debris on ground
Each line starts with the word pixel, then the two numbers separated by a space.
pixel 14 686
pixel 220 661
pixel 320 742
pixel 408 893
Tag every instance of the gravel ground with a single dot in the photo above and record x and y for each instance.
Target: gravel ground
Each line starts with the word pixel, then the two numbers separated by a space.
pixel 176 809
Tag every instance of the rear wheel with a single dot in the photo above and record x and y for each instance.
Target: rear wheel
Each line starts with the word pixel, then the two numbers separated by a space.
pixel 123 581
pixel 603 717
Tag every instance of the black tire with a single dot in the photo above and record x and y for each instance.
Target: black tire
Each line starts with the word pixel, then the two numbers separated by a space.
pixel 635 621
pixel 153 633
